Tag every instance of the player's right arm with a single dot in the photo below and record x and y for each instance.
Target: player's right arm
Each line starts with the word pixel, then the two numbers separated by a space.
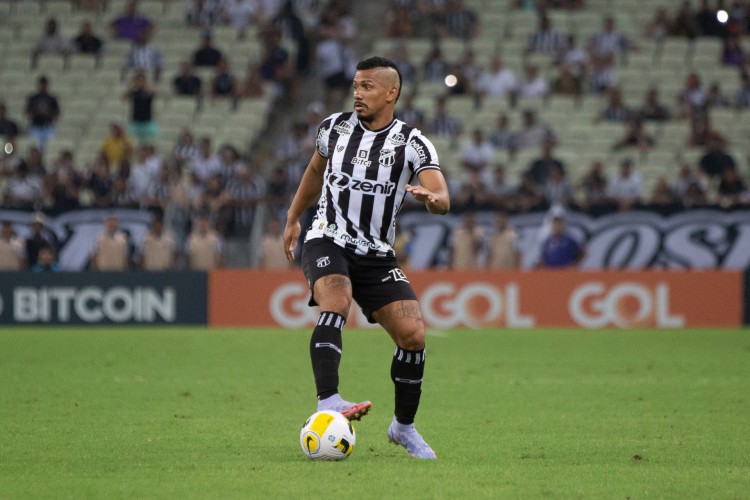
pixel 307 193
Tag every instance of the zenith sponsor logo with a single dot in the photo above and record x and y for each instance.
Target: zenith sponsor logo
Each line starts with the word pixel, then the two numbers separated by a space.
pixel 342 180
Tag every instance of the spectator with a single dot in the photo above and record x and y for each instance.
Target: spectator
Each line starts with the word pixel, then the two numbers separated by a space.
pixel 435 67
pixel 502 136
pixel 706 22
pixel 293 28
pixel 270 257
pixel 158 253
pixel 659 26
pixel 43 111
pixel 625 188
pixel 692 97
pixel 143 174
pixel 187 83
pixel 610 41
pixel 11 248
pixel 574 58
pixel 715 160
pixel 730 189
pixel 203 13
pixel 252 85
pixel 24 191
pixel 38 239
pixel 443 124
pixel 207 55
pixel 662 198
pixel 185 149
pixel 594 187
pixel 457 21
pixel 468 239
pixel 616 110
pixel 224 83
pixel 35 161
pixel 275 65
pixel 532 134
pixel 557 188
pixel 715 98
pixel 205 163
pixel 534 85
pixel 117 146
pixel 240 15
pixel 477 154
pixel 567 84
pixel 732 53
pixel 684 23
pixel 278 193
pixel 504 249
pixel 497 82
pixel 204 245
pixel 500 190
pixel 335 58
pixel 635 136
pixel 473 194
pixel 100 183
pixel 47 261
pixel 540 168
pixel 408 112
pixel 245 193
pixel 399 22
pixel 141 97
pixel 400 56
pixel 8 127
pixel 742 95
pixel 64 183
pixel 685 178
pixel 652 109
pixel 111 248
pixel 130 25
pixel 560 249
pixel 529 195
pixel 158 192
pixel 290 153
pixel 144 56
pixel 603 75
pixel 121 196
pixel 546 39
pixel 51 42
pixel 88 43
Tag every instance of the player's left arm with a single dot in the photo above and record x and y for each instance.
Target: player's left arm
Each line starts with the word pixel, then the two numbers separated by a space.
pixel 432 191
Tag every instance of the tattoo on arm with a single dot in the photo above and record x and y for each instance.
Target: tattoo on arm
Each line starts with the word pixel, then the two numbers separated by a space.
pixel 407 309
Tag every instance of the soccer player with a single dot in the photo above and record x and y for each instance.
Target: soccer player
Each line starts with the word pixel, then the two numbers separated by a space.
pixel 360 174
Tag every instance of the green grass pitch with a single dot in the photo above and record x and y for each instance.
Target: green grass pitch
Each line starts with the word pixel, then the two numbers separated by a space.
pixel 200 413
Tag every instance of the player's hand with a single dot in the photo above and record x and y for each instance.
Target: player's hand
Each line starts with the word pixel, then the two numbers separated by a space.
pixel 421 194
pixel 291 235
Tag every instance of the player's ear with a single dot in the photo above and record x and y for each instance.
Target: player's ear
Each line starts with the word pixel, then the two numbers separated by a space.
pixel 392 94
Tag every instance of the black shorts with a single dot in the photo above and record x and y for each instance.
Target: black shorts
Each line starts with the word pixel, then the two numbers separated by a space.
pixel 376 281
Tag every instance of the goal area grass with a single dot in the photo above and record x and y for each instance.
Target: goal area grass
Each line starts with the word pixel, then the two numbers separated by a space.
pixel 175 412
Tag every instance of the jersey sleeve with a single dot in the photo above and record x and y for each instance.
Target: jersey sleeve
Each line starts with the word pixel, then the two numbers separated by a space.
pixel 421 153
pixel 324 132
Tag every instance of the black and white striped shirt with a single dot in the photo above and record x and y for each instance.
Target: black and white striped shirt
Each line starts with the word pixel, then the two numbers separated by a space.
pixel 364 181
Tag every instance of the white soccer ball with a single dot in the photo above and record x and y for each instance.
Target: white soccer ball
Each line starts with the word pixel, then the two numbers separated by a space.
pixel 327 435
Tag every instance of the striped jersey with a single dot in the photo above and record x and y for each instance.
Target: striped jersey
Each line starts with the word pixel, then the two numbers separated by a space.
pixel 364 183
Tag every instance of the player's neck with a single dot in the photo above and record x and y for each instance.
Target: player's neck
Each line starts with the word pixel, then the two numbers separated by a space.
pixel 378 123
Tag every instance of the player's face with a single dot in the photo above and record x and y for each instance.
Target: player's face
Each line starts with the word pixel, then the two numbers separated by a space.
pixel 371 93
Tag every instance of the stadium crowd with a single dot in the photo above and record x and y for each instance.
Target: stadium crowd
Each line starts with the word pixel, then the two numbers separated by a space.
pixel 205 192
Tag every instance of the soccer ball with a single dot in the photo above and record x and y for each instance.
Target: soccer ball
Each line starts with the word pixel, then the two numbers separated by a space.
pixel 327 435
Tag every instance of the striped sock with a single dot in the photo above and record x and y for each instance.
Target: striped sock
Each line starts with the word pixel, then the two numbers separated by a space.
pixel 407 369
pixel 325 353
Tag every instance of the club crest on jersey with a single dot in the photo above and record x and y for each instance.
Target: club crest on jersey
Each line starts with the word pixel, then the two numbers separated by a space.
pixel 339 148
pixel 361 158
pixel 397 139
pixel 343 127
pixel 387 157
pixel 323 261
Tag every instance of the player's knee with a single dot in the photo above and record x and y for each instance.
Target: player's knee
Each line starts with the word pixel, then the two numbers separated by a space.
pixel 411 337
